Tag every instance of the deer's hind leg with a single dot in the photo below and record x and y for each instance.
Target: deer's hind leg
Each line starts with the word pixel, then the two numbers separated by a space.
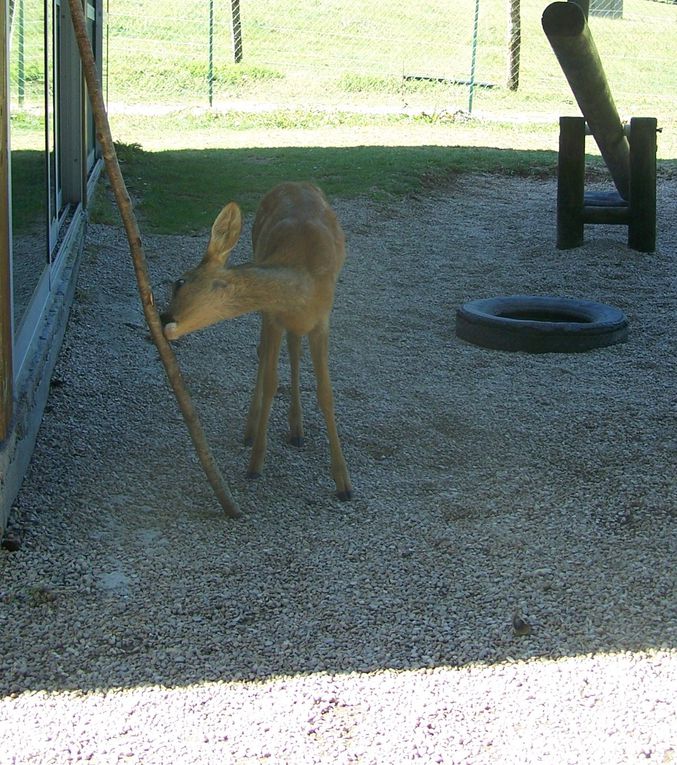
pixel 319 349
pixel 295 411
pixel 266 387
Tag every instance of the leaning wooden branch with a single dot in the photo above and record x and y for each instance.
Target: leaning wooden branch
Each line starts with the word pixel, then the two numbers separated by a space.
pixel 136 249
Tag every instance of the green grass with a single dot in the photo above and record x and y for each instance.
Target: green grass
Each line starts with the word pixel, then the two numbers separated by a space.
pixel 301 52
pixel 182 191
pixel 148 129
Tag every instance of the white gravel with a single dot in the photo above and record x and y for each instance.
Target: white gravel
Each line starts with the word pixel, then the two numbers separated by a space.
pixel 138 624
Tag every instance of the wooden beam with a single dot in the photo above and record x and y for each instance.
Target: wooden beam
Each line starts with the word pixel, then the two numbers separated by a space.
pixel 642 225
pixel 570 182
pixel 571 40
pixel 619 216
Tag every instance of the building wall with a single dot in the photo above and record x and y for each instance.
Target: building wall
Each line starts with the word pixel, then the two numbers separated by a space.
pixel 31 388
pixel 49 163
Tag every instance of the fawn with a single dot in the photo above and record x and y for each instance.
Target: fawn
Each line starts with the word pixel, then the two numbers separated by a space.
pixel 299 249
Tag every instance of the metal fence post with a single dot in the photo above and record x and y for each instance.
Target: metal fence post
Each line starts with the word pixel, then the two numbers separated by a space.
pixel 473 56
pixel 21 56
pixel 210 47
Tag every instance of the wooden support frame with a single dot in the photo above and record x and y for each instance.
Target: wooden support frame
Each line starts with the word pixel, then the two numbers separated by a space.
pixel 642 223
pixel 567 31
pixel 570 182
pixel 575 207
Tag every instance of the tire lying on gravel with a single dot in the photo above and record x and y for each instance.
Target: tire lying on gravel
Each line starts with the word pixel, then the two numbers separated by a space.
pixel 540 324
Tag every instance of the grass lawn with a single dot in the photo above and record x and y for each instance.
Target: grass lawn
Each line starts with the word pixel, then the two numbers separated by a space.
pixel 183 190
pixel 189 165
pixel 310 74
pixel 365 54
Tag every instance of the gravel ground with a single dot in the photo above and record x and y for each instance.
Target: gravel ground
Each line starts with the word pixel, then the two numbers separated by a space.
pixel 138 624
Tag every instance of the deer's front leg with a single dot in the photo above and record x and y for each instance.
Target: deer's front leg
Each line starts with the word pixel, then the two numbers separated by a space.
pixel 319 349
pixel 269 353
pixel 295 411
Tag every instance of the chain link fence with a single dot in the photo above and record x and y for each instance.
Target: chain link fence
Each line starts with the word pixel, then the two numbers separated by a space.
pixel 488 57
pixel 27 54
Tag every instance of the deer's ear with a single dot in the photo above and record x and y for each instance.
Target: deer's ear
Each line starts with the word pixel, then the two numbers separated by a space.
pixel 225 233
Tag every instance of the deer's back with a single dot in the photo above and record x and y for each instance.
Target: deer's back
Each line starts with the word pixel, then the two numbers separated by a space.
pixel 295 227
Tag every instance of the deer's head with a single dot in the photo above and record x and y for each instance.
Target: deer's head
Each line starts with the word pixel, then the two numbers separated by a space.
pixel 200 296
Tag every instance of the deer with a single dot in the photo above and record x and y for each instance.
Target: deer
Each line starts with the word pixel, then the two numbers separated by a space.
pixel 298 252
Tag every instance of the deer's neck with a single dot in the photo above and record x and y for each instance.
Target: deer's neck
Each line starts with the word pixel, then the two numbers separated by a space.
pixel 269 288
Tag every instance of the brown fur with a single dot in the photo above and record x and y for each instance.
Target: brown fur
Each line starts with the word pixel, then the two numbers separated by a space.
pixel 299 249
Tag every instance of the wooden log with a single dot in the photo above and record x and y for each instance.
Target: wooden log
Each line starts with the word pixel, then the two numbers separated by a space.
pixel 567 30
pixel 570 182
pixel 584 6
pixel 642 223
pixel 619 216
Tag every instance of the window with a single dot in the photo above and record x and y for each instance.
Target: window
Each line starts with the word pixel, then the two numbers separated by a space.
pixel 27 51
pixel 53 149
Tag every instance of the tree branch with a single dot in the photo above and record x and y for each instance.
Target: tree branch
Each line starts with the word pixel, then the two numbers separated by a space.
pixel 124 204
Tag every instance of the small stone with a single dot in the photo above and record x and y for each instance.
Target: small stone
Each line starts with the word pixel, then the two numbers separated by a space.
pixel 11 543
pixel 519 625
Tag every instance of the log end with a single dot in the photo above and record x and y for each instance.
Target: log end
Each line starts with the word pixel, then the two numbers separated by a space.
pixel 563 20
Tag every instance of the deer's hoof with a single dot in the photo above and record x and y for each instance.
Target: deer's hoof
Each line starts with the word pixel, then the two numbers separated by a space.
pixel 252 475
pixel 345 496
pixel 298 441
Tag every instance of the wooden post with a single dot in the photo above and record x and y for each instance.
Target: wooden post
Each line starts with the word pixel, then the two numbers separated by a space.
pixel 570 182
pixel 514 44
pixel 237 30
pixel 6 335
pixel 567 30
pixel 642 225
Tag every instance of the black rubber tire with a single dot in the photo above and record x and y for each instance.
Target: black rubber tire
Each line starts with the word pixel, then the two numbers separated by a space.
pixel 540 324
